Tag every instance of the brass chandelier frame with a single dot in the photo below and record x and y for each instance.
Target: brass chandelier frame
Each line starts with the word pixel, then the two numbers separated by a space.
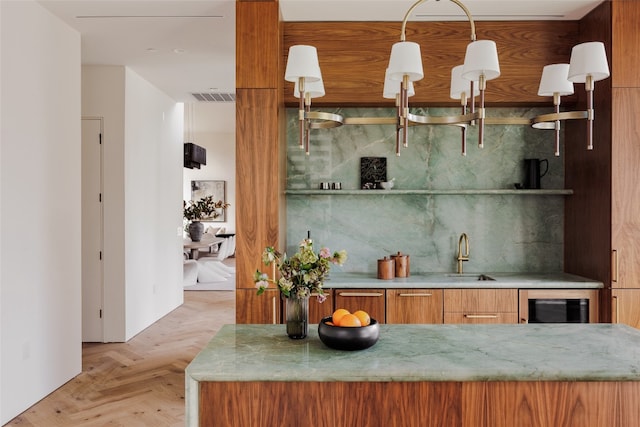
pixel 470 116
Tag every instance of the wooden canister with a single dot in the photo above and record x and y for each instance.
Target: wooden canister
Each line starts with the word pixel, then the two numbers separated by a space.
pixel 386 269
pixel 401 262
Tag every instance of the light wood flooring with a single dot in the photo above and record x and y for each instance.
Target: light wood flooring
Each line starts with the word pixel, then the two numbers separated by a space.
pixel 141 382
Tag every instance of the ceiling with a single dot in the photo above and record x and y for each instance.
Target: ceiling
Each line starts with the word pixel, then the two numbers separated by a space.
pixel 186 46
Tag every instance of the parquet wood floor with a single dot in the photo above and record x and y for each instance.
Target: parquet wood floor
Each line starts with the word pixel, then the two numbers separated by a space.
pixel 141 382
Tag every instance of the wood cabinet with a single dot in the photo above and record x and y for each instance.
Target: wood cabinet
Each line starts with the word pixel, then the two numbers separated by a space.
pixel 480 306
pixel 626 306
pixel 252 308
pixel 319 310
pixel 414 306
pixel 602 233
pixel 370 300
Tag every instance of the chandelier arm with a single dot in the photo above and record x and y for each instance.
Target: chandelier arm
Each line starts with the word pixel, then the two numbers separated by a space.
pixel 508 121
pixel 301 112
pixel 551 117
pixel 307 109
pixel 463 130
pixel 370 120
pixel 419 2
pixel 405 115
pixel 443 120
pixel 556 109
pixel 327 120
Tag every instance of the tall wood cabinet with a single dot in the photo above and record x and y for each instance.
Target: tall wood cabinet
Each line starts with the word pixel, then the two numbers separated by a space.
pixel 602 218
pixel 259 152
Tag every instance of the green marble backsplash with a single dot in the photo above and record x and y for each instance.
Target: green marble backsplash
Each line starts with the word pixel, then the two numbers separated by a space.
pixel 507 233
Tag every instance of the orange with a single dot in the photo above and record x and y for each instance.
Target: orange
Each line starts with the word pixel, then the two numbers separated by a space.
pixel 364 317
pixel 350 321
pixel 338 314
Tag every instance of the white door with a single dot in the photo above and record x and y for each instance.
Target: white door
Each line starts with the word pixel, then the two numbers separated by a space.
pixel 92 277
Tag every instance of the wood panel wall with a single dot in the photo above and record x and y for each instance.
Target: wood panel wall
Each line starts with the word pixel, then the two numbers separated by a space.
pixel 602 215
pixel 587 225
pixel 354 56
pixel 258 138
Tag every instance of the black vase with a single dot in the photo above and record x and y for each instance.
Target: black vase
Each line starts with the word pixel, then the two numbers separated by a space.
pixel 196 228
pixel 297 312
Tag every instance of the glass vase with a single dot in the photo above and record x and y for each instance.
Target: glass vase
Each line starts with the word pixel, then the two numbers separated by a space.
pixel 297 314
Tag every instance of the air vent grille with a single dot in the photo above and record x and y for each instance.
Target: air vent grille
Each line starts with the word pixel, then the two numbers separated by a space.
pixel 214 97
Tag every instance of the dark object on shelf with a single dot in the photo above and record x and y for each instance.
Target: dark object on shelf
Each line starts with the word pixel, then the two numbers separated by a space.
pixel 194 155
pixel 344 338
pixel 532 172
pixel 373 170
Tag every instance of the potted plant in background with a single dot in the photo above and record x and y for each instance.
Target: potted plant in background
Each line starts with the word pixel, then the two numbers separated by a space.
pixel 301 275
pixel 201 210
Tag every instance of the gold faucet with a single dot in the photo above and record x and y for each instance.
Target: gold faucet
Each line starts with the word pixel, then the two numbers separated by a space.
pixel 463 256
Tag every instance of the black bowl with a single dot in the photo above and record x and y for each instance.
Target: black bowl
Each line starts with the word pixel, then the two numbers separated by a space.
pixel 345 338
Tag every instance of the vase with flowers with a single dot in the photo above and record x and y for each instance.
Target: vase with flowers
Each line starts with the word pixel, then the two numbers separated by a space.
pixel 201 210
pixel 300 276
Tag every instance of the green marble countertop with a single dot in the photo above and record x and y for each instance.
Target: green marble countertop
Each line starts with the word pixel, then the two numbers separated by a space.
pixel 467 280
pixel 549 352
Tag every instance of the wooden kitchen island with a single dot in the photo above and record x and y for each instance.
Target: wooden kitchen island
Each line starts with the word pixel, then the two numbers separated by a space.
pixel 420 375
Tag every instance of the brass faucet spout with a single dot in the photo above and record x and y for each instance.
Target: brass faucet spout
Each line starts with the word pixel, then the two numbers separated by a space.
pixel 463 255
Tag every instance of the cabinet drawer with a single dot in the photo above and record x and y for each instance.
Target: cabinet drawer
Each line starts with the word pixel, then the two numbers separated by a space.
pixel 481 301
pixel 414 306
pixel 472 318
pixel 370 300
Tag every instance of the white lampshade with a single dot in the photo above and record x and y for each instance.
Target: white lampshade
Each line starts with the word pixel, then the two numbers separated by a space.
pixel 405 60
pixel 314 89
pixel 588 59
pixel 459 85
pixel 302 62
pixel 481 58
pixel 554 80
pixel 392 87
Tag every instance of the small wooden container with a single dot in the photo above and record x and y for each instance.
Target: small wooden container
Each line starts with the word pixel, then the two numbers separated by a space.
pixel 401 262
pixel 386 269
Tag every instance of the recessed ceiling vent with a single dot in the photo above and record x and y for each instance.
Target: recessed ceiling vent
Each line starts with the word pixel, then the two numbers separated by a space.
pixel 214 97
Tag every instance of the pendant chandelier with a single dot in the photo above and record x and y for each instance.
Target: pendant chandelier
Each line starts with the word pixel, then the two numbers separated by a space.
pixel 588 64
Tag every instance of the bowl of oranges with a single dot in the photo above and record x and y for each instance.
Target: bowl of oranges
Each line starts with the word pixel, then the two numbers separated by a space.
pixel 348 331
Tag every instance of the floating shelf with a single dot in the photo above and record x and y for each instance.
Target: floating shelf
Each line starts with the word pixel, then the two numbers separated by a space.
pixel 559 192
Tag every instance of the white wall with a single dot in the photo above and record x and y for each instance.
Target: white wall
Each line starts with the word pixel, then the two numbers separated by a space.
pixel 213 127
pixel 40 270
pixel 153 173
pixel 142 158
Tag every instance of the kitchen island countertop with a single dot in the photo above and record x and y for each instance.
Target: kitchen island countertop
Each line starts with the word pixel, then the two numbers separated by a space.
pixel 547 352
pixel 411 354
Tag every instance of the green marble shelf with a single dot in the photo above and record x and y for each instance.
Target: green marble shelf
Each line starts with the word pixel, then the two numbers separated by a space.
pixel 487 192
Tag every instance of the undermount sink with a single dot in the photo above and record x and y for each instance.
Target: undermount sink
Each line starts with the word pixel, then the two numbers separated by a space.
pixel 469 276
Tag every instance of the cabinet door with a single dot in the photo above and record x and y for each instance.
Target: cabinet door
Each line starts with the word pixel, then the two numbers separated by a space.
pixel 252 308
pixel 625 195
pixel 319 310
pixel 370 300
pixel 480 306
pixel 626 307
pixel 414 306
